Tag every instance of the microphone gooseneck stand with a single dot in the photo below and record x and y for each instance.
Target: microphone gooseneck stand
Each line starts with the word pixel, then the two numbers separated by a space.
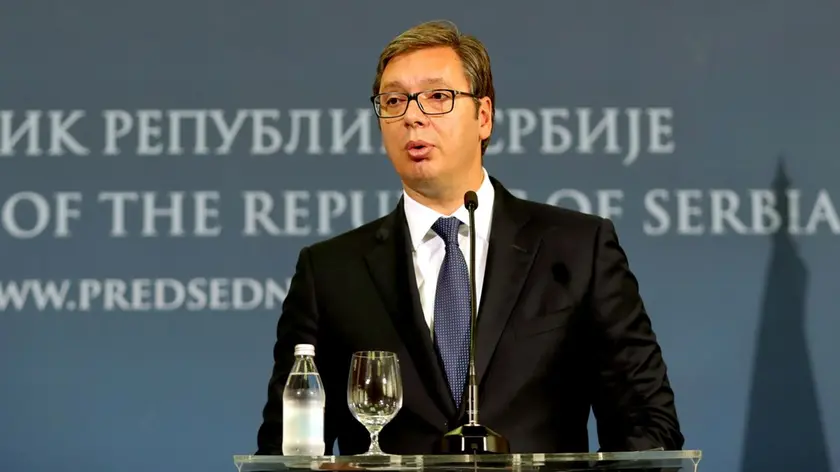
pixel 472 437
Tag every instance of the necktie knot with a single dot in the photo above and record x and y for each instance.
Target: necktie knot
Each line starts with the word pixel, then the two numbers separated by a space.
pixel 447 229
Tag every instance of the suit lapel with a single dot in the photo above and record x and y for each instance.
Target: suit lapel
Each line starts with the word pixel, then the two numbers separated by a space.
pixel 392 271
pixel 511 254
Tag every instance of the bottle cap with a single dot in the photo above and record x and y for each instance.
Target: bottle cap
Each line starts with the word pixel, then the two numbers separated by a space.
pixel 304 350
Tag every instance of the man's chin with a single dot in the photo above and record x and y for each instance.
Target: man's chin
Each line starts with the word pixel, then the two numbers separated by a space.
pixel 427 185
pixel 422 172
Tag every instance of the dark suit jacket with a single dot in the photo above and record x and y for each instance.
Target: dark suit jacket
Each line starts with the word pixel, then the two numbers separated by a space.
pixel 561 328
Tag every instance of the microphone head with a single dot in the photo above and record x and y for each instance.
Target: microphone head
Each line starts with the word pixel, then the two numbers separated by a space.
pixel 470 200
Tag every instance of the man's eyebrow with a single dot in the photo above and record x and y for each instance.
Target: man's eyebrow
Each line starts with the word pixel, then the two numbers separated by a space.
pixel 396 84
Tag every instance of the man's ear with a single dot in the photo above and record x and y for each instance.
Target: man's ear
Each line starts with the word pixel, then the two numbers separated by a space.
pixel 485 118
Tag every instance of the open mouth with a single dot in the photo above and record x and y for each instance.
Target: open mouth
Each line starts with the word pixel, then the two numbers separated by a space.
pixel 418 149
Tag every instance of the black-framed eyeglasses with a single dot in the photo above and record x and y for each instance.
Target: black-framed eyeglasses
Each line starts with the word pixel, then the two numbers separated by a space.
pixel 431 102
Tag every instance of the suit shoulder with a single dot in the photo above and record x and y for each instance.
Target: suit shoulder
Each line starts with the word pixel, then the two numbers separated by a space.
pixel 551 216
pixel 352 239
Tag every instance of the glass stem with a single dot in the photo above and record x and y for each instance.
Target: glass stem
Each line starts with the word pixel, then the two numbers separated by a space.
pixel 374 442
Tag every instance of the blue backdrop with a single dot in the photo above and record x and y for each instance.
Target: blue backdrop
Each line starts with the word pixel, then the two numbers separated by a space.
pixel 162 163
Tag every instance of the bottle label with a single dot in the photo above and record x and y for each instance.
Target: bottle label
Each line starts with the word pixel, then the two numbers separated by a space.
pixel 303 424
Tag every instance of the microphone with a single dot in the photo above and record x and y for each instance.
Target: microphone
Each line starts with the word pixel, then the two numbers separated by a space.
pixel 473 438
pixel 471 204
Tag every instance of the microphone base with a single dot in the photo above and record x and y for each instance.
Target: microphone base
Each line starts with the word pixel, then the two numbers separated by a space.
pixel 474 439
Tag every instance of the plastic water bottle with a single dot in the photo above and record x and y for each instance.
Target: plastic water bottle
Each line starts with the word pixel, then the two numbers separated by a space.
pixel 303 406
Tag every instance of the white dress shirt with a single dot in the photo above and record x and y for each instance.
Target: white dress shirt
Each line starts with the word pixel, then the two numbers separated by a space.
pixel 428 247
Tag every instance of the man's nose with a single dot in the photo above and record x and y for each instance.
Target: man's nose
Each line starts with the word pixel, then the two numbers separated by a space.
pixel 414 115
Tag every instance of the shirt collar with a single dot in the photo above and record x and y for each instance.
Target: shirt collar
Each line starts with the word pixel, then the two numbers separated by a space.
pixel 420 218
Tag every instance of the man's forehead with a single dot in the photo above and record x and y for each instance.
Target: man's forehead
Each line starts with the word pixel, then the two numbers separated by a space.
pixel 432 67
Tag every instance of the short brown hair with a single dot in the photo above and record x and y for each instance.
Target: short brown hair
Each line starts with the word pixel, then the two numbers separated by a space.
pixel 472 52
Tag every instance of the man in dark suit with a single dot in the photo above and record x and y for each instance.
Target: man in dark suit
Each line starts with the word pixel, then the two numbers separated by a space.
pixel 561 326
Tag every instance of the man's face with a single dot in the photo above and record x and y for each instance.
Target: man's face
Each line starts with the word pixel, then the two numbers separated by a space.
pixel 434 153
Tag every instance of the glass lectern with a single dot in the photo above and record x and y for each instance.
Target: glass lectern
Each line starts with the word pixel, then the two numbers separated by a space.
pixel 654 461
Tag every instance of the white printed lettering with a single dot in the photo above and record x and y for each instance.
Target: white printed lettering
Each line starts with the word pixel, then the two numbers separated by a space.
pixel 204 214
pixel 360 126
pixel 764 215
pixel 64 212
pixel 117 201
pixel 29 128
pixel 725 205
pixel 257 214
pixel 587 135
pixel 823 211
pixel 331 204
pixel 174 212
pixel 9 215
pixel 550 129
pixel 660 129
pixel 176 117
pixel 262 129
pixel 227 132
pixel 522 123
pixel 634 135
pixel 60 136
pixel 149 132
pixel 26 215
pixel 314 117
pixel 118 123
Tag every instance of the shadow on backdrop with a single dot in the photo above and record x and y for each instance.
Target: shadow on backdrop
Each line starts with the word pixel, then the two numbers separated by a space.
pixel 784 426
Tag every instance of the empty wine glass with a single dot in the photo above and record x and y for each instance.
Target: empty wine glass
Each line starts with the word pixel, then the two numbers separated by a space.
pixel 374 392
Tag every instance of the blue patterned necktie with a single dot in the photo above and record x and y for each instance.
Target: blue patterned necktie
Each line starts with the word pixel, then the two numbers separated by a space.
pixel 452 308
